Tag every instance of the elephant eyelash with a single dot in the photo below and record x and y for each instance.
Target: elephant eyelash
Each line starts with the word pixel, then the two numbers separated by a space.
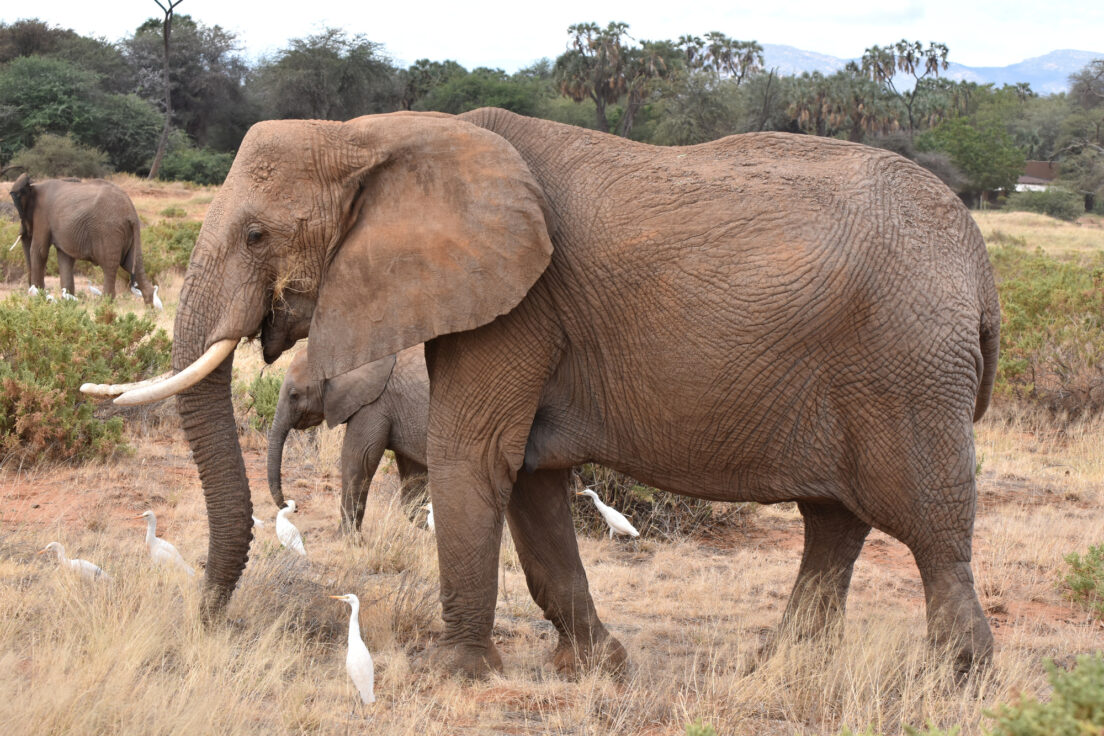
pixel 253 237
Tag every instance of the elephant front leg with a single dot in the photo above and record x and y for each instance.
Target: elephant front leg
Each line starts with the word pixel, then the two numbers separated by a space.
pixel 365 440
pixel 66 263
pixel 544 535
pixel 469 532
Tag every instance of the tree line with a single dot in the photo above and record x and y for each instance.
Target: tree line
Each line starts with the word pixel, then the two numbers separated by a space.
pixel 109 98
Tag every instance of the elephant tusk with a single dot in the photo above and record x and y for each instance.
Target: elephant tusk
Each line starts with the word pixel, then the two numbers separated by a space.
pixel 17 239
pixel 114 389
pixel 190 376
pixel 149 391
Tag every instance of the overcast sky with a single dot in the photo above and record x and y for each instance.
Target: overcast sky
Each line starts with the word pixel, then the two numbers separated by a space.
pixel 513 33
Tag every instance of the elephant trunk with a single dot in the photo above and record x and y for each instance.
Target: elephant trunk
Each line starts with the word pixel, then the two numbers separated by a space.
pixel 207 416
pixel 277 435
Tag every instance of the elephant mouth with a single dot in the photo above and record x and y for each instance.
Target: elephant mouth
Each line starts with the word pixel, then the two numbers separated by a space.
pixel 284 325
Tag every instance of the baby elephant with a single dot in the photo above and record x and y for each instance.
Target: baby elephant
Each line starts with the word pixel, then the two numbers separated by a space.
pixel 385 405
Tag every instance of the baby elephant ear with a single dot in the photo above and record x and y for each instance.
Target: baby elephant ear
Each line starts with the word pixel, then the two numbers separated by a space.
pixel 446 232
pixel 344 395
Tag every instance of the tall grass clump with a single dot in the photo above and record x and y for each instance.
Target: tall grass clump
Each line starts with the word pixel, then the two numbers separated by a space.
pixel 1052 329
pixel 47 350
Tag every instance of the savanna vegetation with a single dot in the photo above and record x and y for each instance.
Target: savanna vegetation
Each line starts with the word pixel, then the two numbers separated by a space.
pixel 693 598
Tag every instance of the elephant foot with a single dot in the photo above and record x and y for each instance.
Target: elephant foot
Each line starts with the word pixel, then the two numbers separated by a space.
pixel 469 661
pixel 572 658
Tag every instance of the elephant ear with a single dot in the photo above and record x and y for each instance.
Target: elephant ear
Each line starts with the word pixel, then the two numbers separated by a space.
pixel 446 231
pixel 344 395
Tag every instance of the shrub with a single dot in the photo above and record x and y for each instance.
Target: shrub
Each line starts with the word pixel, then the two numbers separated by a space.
pixel 1059 203
pixel 1052 329
pixel 55 155
pixel 199 165
pixel 650 510
pixel 168 245
pixel 1075 709
pixel 1086 579
pixel 173 211
pixel 46 352
pixel 261 396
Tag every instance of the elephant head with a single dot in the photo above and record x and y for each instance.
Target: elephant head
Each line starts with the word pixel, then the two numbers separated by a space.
pixel 388 230
pixel 23 197
pixel 302 406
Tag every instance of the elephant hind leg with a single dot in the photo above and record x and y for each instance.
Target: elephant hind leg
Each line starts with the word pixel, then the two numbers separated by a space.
pixel 109 281
pixel 834 538
pixel 540 523
pixel 66 263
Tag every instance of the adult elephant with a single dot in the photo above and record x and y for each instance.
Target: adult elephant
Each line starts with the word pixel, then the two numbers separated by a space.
pixel 767 317
pixel 90 220
pixel 384 405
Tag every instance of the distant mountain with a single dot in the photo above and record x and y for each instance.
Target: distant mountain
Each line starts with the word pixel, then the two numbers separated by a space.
pixel 1046 74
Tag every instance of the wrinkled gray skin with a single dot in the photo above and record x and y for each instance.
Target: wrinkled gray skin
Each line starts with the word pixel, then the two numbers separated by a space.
pixel 90 220
pixel 766 317
pixel 385 415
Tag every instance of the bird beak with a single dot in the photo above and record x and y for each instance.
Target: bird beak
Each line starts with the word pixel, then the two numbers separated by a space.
pixel 41 552
pixel 338 597
pixel 578 493
pixel 139 516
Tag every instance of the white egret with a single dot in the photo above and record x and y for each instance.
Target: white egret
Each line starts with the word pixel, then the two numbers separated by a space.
pixel 32 290
pixel 358 661
pixel 257 522
pixel 429 518
pixel 162 552
pixel 67 296
pixel 615 519
pixel 156 299
pixel 50 297
pixel 87 570
pixel 94 291
pixel 286 532
pixel 135 290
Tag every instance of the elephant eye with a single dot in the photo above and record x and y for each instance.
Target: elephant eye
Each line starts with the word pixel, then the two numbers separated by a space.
pixel 253 236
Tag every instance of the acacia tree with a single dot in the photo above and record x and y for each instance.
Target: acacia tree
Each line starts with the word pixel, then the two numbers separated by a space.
pixel 905 57
pixel 167 7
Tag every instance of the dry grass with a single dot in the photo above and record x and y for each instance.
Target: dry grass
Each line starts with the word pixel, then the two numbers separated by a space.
pixel 1056 237
pixel 130 657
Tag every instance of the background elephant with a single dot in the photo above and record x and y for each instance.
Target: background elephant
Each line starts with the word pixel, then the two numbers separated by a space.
pixel 384 405
pixel 87 220
pixel 767 317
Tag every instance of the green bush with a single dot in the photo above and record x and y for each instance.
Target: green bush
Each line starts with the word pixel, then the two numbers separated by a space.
pixel 261 396
pixel 1052 329
pixel 47 350
pixel 199 165
pixel 1075 709
pixel 168 245
pixel 651 511
pixel 1059 203
pixel 55 155
pixel 1086 579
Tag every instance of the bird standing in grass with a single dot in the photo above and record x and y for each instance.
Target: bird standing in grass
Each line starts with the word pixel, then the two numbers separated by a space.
pixel 93 290
pixel 617 522
pixel 135 290
pixel 156 299
pixel 162 552
pixel 67 296
pixel 358 661
pixel 429 517
pixel 286 532
pixel 87 570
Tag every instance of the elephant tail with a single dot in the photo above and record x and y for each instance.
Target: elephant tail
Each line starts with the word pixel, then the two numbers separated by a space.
pixel 989 333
